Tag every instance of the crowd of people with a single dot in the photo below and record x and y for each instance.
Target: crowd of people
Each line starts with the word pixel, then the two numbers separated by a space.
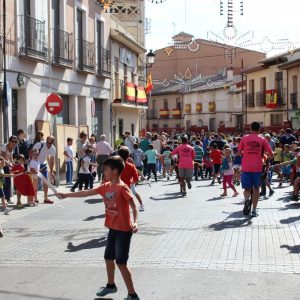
pixel 252 160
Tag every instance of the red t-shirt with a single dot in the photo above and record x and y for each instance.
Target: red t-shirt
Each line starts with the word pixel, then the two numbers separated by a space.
pixel 216 156
pixel 130 174
pixel 116 199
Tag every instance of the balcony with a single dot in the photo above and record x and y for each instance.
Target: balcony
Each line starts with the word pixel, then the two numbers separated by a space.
pixel 281 97
pixel 152 114
pixel 32 38
pixel 86 55
pixel 294 100
pixel 164 113
pixel 104 62
pixel 250 99
pixel 63 48
pixel 260 99
pixel 176 113
pixel 131 96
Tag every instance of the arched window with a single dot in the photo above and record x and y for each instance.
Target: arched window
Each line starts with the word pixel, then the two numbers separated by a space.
pixel 200 123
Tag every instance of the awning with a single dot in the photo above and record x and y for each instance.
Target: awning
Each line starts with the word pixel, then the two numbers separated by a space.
pixel 141 95
pixel 130 91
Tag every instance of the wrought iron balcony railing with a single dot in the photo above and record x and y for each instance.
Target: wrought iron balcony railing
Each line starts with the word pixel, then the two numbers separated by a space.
pixel 250 99
pixel 63 47
pixel 86 55
pixel 294 100
pixel 152 114
pixel 32 36
pixel 281 97
pixel 260 99
pixel 104 61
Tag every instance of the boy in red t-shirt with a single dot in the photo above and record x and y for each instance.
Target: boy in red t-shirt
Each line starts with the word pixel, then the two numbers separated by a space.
pixel 130 174
pixel 117 199
pixel 216 157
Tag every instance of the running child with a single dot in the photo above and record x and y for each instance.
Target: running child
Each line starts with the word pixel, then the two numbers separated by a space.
pixel 198 160
pixel 216 156
pixel 152 156
pixel 34 167
pixel 167 161
pixel 130 175
pixel 227 167
pixel 117 200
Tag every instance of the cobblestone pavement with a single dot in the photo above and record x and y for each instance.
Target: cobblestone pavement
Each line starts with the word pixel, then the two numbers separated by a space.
pixel 200 231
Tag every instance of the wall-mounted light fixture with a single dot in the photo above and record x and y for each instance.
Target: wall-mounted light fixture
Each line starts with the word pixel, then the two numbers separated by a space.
pixel 20 79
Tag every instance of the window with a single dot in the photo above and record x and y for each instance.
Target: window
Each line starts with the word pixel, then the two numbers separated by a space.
pixel 116 63
pixel 121 127
pixel 117 86
pixel 14 111
pixel 99 46
pixel 125 72
pixel 79 23
pixel 178 103
pixel 294 82
pixel 166 104
pixel 200 123
pixel 153 104
pixel 178 126
pixel 276 119
pixel 63 116
pixel 165 126
pixel 98 117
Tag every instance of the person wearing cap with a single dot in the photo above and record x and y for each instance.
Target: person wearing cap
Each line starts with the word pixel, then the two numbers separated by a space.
pixel 252 146
pixel 186 155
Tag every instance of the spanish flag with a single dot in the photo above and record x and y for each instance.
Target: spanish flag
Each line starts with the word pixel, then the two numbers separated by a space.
pixel 149 85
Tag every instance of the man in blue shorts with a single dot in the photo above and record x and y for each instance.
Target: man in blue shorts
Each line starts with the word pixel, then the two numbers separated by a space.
pixel 253 147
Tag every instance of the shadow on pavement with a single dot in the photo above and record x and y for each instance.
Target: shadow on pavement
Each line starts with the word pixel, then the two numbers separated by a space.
pixel 284 199
pixel 215 198
pixel 19 295
pixel 290 220
pixel 91 218
pixel 170 197
pixel 290 206
pixel 95 243
pixel 173 183
pixel 230 224
pixel 293 249
pixel 101 298
pixel 93 201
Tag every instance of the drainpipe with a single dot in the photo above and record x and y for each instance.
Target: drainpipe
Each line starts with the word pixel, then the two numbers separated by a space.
pixel 4 91
pixel 287 95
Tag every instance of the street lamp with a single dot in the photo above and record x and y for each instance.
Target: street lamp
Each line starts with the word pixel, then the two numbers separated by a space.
pixel 150 57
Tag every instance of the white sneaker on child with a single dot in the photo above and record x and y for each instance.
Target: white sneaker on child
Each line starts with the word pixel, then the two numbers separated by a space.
pixel 142 207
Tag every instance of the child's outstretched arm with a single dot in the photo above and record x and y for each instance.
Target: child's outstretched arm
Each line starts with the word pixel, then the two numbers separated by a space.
pixel 79 194
pixel 135 214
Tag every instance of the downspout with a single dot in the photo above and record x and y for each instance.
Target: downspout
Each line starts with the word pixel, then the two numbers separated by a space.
pixel 287 95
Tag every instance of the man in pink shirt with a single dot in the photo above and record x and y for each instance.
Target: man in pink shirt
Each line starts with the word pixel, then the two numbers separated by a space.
pixel 253 147
pixel 186 155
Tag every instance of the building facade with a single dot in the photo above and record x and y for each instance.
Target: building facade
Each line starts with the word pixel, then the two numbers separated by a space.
pixel 272 91
pixel 57 47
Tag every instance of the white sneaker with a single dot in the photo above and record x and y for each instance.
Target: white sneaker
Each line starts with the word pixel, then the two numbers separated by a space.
pixel 142 207
pixel 7 210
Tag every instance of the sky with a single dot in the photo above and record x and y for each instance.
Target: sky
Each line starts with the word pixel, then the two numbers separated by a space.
pixel 270 26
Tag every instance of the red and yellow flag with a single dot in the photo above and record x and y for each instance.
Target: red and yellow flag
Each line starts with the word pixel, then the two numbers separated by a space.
pixel 149 85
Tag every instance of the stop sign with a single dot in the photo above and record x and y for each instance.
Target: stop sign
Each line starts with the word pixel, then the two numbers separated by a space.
pixel 54 104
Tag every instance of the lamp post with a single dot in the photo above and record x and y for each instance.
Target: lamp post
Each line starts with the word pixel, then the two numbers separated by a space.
pixel 150 58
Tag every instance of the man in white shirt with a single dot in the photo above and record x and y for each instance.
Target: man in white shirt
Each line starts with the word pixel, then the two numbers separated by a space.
pixel 103 151
pixel 47 152
pixel 129 141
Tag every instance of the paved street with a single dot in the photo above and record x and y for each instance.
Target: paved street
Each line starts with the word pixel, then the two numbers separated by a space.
pixel 194 247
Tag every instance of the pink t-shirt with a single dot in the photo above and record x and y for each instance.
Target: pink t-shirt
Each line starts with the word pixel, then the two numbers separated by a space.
pixel 186 155
pixel 253 147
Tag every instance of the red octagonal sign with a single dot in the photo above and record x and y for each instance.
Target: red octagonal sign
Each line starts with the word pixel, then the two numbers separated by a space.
pixel 54 104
